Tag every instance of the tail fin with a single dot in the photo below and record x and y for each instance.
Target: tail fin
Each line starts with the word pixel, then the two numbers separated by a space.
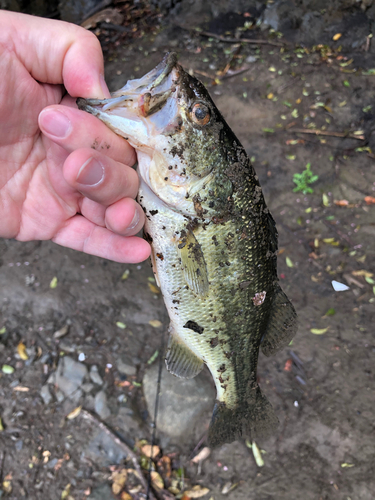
pixel 255 417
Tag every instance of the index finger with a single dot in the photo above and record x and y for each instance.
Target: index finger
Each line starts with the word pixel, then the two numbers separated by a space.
pixel 56 52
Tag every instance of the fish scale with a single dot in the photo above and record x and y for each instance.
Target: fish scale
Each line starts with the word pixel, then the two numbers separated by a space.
pixel 213 241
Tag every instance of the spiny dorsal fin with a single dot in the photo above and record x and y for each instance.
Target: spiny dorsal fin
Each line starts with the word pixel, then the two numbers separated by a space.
pixel 193 263
pixel 180 360
pixel 282 324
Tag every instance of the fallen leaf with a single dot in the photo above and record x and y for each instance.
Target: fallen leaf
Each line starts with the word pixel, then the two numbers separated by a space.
pixel 2 330
pixel 202 455
pixel 228 487
pixel 370 200
pixel 7 369
pixel 65 492
pixel 270 96
pixel 257 455
pixel 121 325
pixel 318 331
pixel 74 413
pixel 61 332
pixel 150 451
pixel 155 323
pixel 21 350
pixel 289 262
pixel 346 465
pixel 53 283
pixel 363 272
pixel 7 486
pixel 1 425
pixel 325 200
pixel 157 480
pixel 125 496
pixel 21 388
pixel 197 492
pixel 337 36
pixel 119 480
pixel 341 203
pixel 125 274
pixel 288 365
pixel 330 312
pixel 153 288
pixel 153 357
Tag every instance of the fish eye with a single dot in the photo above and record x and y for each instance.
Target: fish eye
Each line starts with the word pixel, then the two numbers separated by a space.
pixel 200 114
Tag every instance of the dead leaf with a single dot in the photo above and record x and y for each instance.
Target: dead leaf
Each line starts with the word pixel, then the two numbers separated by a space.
pixel 150 451
pixel 341 203
pixel 119 479
pixel 202 455
pixel 164 467
pixel 153 288
pixel 196 492
pixel 61 332
pixel 362 272
pixel 257 455
pixel 370 200
pixel 318 331
pixel 111 16
pixel 21 388
pixel 73 414
pixel 125 496
pixel 157 480
pixel 21 350
pixel 337 36
pixel 155 323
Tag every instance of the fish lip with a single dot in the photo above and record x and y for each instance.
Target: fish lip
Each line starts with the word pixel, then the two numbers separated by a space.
pixel 140 96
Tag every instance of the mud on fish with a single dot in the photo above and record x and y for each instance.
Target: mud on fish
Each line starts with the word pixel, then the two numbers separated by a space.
pixel 213 239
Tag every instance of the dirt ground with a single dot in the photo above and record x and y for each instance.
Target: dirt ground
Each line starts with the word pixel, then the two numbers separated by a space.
pixel 322 386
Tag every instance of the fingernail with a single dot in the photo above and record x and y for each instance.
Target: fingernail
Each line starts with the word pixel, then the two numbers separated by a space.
pixel 55 123
pixel 91 172
pixel 135 220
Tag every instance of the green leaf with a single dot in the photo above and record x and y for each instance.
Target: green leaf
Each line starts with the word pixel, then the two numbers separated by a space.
pixel 346 83
pixel 325 200
pixel 121 325
pixel 153 357
pixel 53 283
pixel 289 262
pixel 318 331
pixel 369 280
pixel 287 103
pixel 7 369
pixel 269 130
pixel 2 330
pixel 330 312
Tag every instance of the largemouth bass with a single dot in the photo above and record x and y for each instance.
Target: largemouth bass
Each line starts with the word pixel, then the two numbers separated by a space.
pixel 213 239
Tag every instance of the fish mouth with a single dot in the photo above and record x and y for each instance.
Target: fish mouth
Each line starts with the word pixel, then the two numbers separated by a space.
pixel 139 104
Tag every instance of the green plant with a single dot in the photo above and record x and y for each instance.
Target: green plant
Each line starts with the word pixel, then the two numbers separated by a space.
pixel 302 180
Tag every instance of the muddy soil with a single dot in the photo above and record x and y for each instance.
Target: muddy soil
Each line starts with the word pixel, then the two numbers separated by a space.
pixel 322 386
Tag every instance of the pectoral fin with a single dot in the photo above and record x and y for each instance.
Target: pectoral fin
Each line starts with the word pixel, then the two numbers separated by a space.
pixel 282 324
pixel 193 263
pixel 180 360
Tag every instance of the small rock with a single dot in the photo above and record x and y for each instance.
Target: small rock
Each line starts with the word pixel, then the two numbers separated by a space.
pixel 94 375
pixel 102 492
pixel 70 375
pixel 87 387
pixel 126 368
pixel 101 405
pixel 103 451
pixel 181 401
pixel 45 394
pixel 59 396
pixel 251 59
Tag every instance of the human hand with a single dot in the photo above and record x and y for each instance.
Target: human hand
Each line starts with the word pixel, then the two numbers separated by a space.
pixel 71 184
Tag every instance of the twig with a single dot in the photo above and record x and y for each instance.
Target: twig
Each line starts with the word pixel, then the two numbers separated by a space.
pixel 125 448
pixel 254 41
pixel 327 132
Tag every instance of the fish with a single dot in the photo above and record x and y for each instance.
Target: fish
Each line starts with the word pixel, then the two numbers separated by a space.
pixel 213 239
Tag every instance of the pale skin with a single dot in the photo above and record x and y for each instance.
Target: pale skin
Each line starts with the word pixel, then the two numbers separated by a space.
pixel 64 176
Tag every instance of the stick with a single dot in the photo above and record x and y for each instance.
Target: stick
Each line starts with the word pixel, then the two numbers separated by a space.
pixel 254 41
pixel 327 132
pixel 129 452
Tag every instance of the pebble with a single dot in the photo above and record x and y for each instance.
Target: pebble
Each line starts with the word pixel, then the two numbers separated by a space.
pixel 70 375
pixel 101 405
pixel 87 387
pixel 125 368
pixel 45 394
pixel 94 375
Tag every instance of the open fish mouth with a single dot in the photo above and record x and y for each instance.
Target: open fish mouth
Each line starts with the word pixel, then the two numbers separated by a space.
pixel 139 103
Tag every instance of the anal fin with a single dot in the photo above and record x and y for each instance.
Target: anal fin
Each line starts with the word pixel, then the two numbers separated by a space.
pixel 180 360
pixel 282 324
